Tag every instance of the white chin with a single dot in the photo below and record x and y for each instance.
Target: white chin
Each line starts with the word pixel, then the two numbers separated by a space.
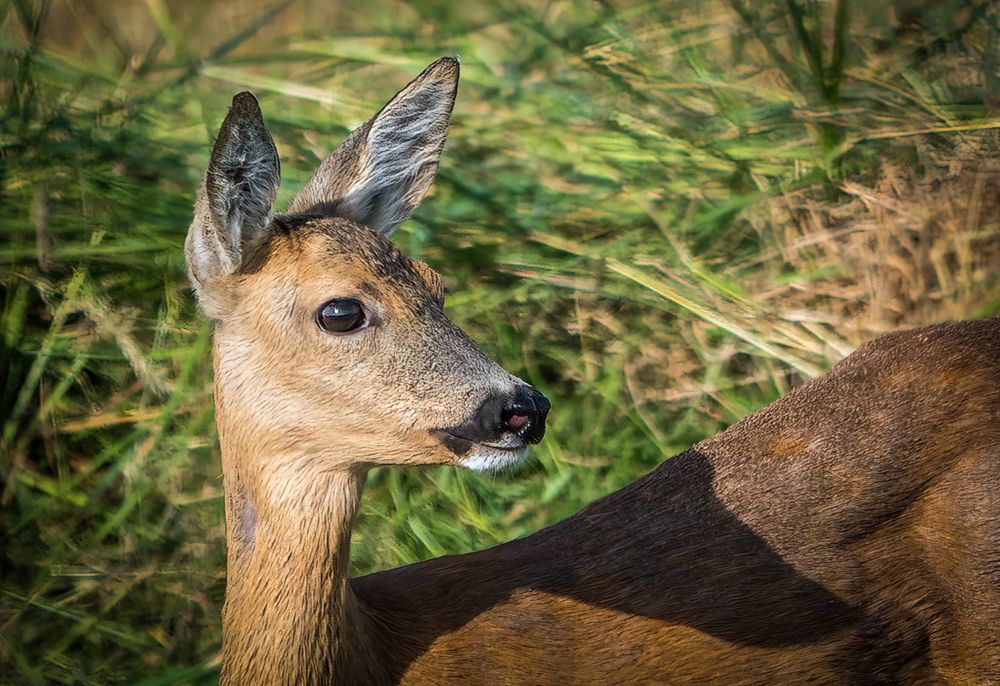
pixel 483 458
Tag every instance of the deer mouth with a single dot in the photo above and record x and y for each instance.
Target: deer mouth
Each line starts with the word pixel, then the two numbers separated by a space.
pixel 461 445
pixel 483 455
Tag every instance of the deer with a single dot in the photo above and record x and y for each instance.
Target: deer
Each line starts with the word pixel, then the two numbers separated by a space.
pixel 848 533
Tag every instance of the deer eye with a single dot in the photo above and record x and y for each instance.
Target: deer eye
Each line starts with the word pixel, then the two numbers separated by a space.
pixel 342 315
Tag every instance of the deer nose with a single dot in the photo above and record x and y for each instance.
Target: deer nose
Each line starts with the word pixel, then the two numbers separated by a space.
pixel 521 413
pixel 525 414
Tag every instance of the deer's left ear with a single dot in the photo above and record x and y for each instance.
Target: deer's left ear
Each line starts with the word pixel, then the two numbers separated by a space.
pixel 234 203
pixel 384 168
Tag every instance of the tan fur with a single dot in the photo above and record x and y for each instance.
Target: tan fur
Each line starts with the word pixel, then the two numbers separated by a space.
pixel 847 534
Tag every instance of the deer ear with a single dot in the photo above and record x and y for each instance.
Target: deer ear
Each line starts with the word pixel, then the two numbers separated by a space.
pixel 384 168
pixel 233 208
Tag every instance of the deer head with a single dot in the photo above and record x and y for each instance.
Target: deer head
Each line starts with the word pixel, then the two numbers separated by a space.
pixel 332 348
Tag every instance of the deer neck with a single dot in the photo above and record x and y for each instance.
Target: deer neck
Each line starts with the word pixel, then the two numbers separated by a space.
pixel 289 615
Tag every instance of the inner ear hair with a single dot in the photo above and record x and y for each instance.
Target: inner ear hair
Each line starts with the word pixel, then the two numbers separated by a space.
pixel 233 207
pixel 243 175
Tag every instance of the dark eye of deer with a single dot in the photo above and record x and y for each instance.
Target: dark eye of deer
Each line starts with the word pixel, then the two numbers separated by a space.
pixel 341 316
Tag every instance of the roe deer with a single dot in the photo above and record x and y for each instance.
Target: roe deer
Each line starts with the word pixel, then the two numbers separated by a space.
pixel 849 533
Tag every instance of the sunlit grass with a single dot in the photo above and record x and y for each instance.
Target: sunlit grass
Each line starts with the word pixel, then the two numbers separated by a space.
pixel 664 215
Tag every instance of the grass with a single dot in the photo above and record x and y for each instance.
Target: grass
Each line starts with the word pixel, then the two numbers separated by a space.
pixel 662 214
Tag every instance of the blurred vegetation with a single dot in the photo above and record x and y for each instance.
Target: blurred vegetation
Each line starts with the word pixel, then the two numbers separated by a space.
pixel 663 214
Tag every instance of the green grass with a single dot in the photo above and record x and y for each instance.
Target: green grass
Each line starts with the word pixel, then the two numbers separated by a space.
pixel 662 214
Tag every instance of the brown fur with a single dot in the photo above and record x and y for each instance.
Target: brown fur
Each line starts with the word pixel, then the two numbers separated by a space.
pixel 870 554
pixel 849 533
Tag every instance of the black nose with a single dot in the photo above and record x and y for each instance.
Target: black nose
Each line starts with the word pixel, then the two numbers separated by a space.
pixel 521 414
pixel 525 414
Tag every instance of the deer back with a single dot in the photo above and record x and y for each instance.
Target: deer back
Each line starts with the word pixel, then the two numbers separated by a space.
pixel 847 533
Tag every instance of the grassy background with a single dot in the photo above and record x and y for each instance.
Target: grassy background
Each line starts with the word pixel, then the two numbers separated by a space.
pixel 663 214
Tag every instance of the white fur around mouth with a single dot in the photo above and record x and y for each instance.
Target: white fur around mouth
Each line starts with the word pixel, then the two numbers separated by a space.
pixel 488 458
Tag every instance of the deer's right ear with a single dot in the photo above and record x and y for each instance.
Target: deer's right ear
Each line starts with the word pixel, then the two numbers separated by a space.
pixel 234 203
